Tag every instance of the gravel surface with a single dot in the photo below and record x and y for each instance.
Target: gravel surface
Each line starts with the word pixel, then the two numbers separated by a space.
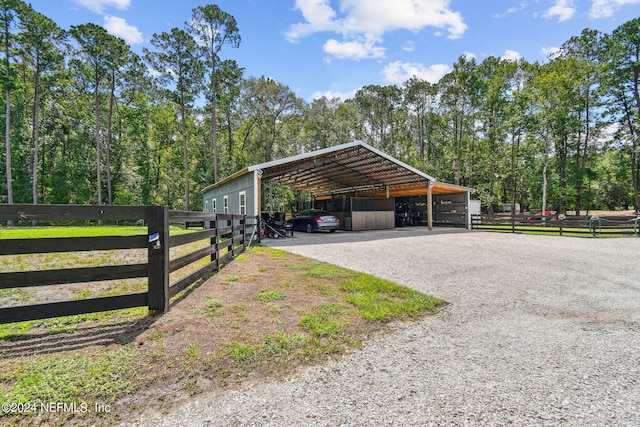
pixel 541 331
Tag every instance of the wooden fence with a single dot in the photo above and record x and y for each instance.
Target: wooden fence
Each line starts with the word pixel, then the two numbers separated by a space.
pixel 228 236
pixel 562 225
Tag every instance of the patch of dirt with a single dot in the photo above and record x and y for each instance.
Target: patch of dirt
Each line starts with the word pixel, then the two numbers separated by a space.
pixel 240 315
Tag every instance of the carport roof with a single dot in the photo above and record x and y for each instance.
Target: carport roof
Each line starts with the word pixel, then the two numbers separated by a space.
pixel 345 168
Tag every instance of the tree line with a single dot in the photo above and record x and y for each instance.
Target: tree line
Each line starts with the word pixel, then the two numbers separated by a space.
pixel 89 121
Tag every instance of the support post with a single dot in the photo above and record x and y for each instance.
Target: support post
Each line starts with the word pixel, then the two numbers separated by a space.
pixel 467 209
pixel 243 223
pixel 233 235
pixel 158 260
pixel 214 240
pixel 429 206
pixel 217 243
pixel 258 210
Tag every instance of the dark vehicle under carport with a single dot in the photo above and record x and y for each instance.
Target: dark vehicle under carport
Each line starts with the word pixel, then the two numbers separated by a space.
pixel 315 220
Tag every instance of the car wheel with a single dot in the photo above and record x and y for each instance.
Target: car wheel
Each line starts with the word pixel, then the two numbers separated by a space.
pixel 309 228
pixel 332 231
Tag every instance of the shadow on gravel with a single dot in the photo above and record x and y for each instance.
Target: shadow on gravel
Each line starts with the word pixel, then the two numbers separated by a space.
pixel 83 337
pixel 302 238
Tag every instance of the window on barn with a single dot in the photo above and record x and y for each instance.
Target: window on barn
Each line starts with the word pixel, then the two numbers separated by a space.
pixel 225 203
pixel 213 206
pixel 206 206
pixel 243 203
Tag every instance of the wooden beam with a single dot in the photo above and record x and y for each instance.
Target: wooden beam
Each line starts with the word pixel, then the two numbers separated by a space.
pixel 18 279
pixel 70 212
pixel 429 207
pixel 70 244
pixel 259 191
pixel 68 308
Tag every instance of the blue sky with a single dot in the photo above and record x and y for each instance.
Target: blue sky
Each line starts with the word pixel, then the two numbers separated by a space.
pixel 334 47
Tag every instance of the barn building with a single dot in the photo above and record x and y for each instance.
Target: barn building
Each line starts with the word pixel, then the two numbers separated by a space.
pixel 364 187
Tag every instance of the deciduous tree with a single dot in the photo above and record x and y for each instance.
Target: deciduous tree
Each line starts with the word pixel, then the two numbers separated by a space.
pixel 622 52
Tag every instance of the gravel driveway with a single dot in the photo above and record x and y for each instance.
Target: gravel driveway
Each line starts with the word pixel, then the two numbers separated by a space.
pixel 541 331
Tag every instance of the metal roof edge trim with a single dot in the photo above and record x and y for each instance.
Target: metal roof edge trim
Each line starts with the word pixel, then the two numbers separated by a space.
pixel 225 180
pixel 337 148
pixel 327 150
pixel 302 156
pixel 460 187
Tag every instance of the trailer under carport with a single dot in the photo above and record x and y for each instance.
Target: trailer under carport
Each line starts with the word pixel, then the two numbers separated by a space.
pixel 353 170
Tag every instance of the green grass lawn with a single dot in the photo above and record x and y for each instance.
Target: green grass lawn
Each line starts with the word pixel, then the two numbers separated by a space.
pixel 78 231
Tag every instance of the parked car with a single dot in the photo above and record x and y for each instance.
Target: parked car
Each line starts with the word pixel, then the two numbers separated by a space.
pixel 315 220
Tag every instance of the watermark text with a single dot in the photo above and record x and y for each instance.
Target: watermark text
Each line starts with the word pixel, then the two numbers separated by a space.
pixel 53 407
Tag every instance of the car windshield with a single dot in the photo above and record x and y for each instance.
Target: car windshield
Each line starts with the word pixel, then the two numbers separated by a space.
pixel 321 213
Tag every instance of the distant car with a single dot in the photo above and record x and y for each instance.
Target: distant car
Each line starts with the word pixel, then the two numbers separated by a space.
pixel 538 215
pixel 315 220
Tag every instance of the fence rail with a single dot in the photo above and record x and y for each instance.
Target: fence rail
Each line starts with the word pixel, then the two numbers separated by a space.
pixel 228 236
pixel 560 224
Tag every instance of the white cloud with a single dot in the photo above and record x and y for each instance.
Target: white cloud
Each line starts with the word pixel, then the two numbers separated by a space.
pixel 329 94
pixel 353 49
pixel 119 27
pixel 98 6
pixel 469 55
pixel 563 10
pixel 408 46
pixel 370 19
pixel 511 10
pixel 551 52
pixel 319 16
pixel 511 55
pixel 399 72
pixel 606 8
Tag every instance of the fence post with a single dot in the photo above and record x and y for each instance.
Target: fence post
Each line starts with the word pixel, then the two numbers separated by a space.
pixel 214 240
pixel 233 236
pixel 513 221
pixel 158 259
pixel 244 232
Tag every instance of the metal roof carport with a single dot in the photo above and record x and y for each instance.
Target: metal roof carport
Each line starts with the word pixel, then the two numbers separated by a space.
pixel 355 168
